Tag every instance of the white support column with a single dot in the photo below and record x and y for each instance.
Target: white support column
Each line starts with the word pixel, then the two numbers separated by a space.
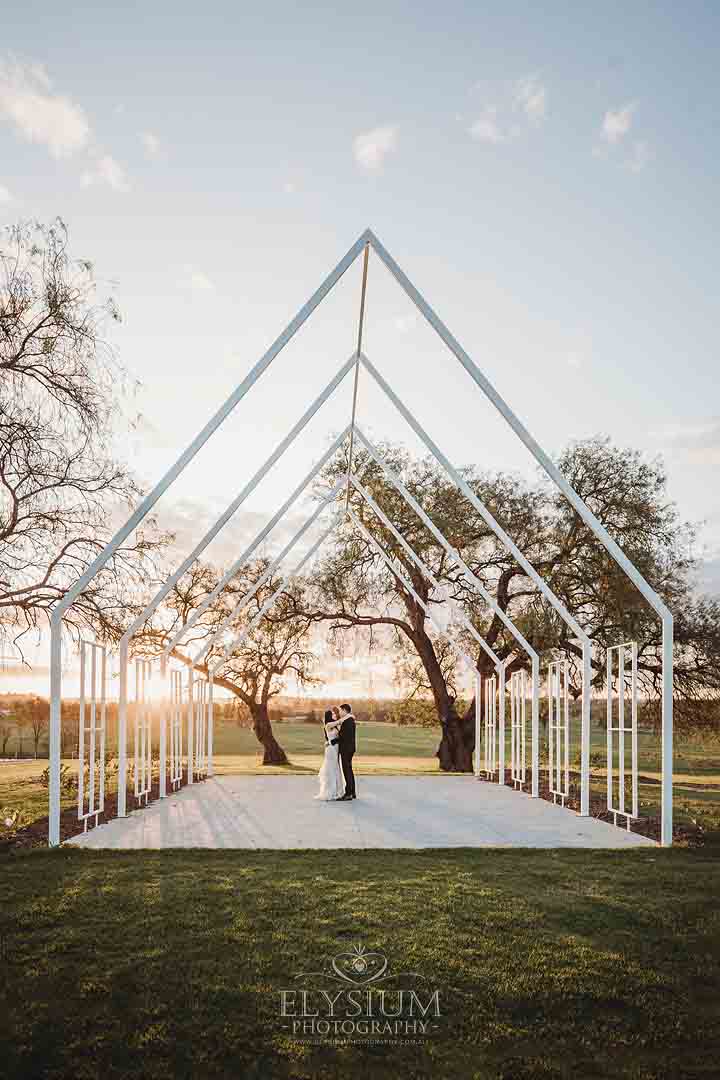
pixel 163 711
pixel 190 727
pixel 585 731
pixel 535 722
pixel 81 734
pixel 122 731
pixel 666 834
pixel 501 726
pixel 54 733
pixel 478 721
pixel 210 769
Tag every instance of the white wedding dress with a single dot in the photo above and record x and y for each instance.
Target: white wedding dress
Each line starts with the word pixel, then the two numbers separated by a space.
pixel 330 778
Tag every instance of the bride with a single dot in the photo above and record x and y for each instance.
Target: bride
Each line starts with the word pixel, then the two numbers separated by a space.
pixel 330 777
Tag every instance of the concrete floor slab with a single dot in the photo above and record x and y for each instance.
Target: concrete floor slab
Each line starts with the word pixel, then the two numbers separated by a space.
pixel 280 812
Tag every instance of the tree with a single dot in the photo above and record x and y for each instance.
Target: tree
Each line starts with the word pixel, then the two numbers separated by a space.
pixel 36 712
pixel 60 485
pixel 255 672
pixel 627 493
pixel 7 726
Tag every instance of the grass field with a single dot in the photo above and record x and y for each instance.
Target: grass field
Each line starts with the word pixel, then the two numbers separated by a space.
pixel 386 749
pixel 548 964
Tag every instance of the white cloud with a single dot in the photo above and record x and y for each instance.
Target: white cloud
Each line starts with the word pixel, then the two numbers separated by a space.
pixel 38 114
pixel 486 128
pixel 696 443
pixel 640 157
pixel 151 143
pixel 196 280
pixel 616 123
pixel 106 171
pixel 531 96
pixel 5 196
pixel 372 147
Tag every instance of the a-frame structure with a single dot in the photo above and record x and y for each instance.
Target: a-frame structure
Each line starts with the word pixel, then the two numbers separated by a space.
pixel 192 698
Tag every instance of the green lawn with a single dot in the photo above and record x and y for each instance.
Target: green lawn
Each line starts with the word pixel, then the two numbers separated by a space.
pixel 548 964
pixel 374 740
pixel 387 748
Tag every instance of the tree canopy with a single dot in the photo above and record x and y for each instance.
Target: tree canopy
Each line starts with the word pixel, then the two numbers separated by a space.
pixel 625 490
pixel 60 483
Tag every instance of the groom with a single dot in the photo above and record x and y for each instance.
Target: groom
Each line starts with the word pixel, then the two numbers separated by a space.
pixel 346 747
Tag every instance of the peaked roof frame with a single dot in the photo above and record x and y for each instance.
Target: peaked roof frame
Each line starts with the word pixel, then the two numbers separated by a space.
pixel 366 241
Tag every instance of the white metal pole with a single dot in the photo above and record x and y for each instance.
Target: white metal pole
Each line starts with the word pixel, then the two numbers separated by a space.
pixel 190 727
pixel 585 731
pixel 424 569
pixel 397 483
pixel 666 834
pixel 501 726
pixel 518 427
pixel 268 573
pixel 239 638
pixel 265 531
pixel 455 555
pixel 54 739
pixel 478 718
pixel 529 569
pixel 210 769
pixel 103 723
pixel 213 424
pixel 244 494
pixel 535 721
pixel 162 712
pixel 122 731
pixel 399 573
pixel 81 733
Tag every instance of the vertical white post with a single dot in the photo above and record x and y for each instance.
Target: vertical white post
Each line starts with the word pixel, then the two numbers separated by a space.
pixel 103 724
pixel 190 727
pixel 163 728
pixel 535 721
pixel 634 734
pixel 93 725
pixel 478 692
pixel 609 737
pixel 81 733
pixel 122 731
pixel 621 729
pixel 585 732
pixel 501 727
pixel 55 721
pixel 666 825
pixel 210 729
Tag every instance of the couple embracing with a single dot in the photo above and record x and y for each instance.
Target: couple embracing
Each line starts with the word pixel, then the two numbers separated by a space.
pixel 336 777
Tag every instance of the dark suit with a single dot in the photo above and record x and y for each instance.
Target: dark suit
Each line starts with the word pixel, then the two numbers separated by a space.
pixel 346 746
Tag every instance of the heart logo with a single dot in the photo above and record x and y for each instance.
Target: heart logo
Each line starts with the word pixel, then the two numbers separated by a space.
pixel 359 966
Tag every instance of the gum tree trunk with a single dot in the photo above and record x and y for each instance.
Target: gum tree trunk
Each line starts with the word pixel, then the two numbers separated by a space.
pixel 273 753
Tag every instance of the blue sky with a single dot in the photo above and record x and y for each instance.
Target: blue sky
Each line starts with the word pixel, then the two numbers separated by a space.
pixel 546 174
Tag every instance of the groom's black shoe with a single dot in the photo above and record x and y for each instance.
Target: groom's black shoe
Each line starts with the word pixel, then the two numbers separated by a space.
pixel 345 798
